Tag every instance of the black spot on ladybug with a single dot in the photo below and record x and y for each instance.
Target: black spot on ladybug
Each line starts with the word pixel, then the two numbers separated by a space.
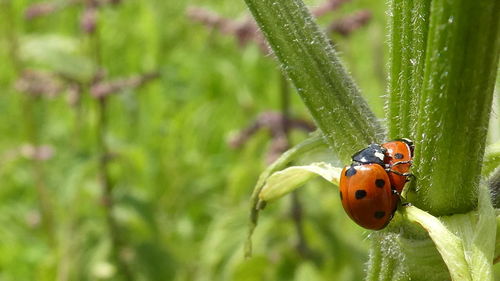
pixel 360 194
pixel 380 183
pixel 350 172
pixel 341 196
pixel 379 214
pixel 398 156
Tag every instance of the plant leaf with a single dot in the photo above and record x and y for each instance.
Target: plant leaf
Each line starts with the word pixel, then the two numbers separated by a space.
pixel 448 244
pixel 314 142
pixel 59 54
pixel 466 242
pixel 289 179
pixel 480 250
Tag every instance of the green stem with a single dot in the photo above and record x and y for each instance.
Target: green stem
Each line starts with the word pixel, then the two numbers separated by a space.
pixel 285 104
pixel 409 28
pixel 374 265
pixel 421 260
pixel 107 191
pixel 308 59
pixel 104 175
pixel 296 208
pixel 460 70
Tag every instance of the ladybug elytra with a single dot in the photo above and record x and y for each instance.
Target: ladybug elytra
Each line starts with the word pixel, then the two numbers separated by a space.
pixel 366 195
pixel 370 187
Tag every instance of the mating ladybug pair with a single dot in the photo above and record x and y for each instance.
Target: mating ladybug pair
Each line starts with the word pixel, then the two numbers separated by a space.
pixel 370 187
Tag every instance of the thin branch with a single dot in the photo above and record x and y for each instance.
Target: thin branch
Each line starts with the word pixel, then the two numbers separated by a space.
pixel 37 83
pixel 345 26
pixel 273 122
pixel 104 176
pixel 247 31
pixel 42 9
pixel 328 6
pixel 296 209
pixel 102 89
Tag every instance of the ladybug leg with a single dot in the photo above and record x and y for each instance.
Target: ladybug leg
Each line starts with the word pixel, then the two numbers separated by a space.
pixel 400 174
pixel 406 204
pixel 408 176
pixel 403 162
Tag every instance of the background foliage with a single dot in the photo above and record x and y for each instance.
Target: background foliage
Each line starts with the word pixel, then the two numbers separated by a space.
pixel 181 193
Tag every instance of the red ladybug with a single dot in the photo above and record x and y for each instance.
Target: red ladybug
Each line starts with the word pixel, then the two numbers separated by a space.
pixel 366 195
pixel 398 160
pixel 395 156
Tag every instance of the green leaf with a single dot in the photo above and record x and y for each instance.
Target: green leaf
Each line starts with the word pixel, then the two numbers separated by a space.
pixel 466 242
pixel 286 181
pixel 314 142
pixel 478 231
pixel 448 244
pixel 421 260
pixel 308 59
pixel 455 104
pixel 59 54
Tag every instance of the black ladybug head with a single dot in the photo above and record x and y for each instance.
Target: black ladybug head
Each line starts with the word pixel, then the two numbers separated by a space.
pixel 373 154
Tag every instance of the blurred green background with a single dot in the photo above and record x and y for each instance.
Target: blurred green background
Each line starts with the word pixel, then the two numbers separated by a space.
pixel 180 192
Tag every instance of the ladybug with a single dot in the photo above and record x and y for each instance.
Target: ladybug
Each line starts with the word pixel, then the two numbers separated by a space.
pixel 366 195
pixel 395 156
pixel 398 160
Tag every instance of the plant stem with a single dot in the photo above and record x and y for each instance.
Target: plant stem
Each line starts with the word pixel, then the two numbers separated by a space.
pixel 409 29
pixel 460 70
pixel 308 59
pixel 285 105
pixel 296 208
pixel 374 266
pixel 107 191
pixel 103 173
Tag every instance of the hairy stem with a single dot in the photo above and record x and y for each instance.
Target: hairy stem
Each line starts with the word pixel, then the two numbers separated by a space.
pixel 454 109
pixel 409 28
pixel 308 59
